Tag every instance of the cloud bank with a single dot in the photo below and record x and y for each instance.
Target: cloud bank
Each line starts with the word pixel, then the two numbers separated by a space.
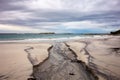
pixel 77 16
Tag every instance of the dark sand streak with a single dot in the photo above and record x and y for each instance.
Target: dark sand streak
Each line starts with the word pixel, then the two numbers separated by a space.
pixel 2 77
pixel 62 64
pixel 102 71
pixel 31 59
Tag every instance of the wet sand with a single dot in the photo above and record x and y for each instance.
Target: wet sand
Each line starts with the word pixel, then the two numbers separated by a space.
pixel 83 59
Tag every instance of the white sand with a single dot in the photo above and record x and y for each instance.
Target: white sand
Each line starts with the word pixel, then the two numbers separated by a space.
pixel 106 60
pixel 14 64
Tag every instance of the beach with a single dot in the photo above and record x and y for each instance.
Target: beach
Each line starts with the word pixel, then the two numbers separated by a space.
pixel 93 58
pixel 14 62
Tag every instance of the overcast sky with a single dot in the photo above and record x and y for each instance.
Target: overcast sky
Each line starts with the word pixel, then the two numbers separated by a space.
pixel 60 16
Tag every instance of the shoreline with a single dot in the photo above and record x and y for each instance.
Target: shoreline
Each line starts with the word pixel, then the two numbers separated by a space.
pixel 57 39
pixel 99 54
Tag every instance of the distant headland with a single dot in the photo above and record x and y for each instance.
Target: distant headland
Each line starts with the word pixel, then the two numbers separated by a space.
pixel 115 32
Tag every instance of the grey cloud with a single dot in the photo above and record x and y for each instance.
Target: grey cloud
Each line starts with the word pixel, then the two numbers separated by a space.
pixel 39 18
pixel 6 5
pixel 47 17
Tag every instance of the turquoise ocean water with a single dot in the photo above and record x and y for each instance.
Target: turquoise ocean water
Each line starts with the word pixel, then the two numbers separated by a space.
pixel 37 36
pixel 42 37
